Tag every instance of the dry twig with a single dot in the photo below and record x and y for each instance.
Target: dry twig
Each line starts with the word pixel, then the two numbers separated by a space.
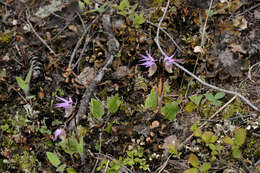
pixel 37 35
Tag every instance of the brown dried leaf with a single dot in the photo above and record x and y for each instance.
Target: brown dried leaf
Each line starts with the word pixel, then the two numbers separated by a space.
pixel 237 48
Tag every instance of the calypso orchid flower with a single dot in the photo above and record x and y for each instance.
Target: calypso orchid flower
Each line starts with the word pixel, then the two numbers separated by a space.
pixel 148 61
pixel 67 105
pixel 59 133
pixel 168 62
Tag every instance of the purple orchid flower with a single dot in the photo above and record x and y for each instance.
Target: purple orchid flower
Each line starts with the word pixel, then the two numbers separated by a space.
pixel 59 133
pixel 148 61
pixel 67 105
pixel 168 62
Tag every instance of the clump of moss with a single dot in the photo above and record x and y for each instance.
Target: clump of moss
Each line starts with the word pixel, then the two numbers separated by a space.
pixel 5 38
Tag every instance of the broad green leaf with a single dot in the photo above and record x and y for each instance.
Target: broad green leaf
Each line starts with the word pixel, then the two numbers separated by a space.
pixel 22 85
pixel 240 136
pixel 151 101
pixel 61 168
pixel 170 111
pixel 210 97
pixel 96 108
pixel 191 170
pixel 228 140
pixel 53 158
pixel 205 167
pixel 70 145
pixel 219 95
pixel 113 103
pixel 236 153
pixel 28 76
pixel 206 137
pixel 196 99
pixel 71 170
pixel 193 160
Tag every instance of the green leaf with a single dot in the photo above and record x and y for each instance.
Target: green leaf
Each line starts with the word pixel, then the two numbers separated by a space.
pixel 219 95
pixel 191 170
pixel 240 136
pixel 196 99
pixel 138 20
pixel 109 127
pixel 170 110
pixel 71 170
pixel 28 76
pixel 22 85
pixel 236 153
pixel 210 97
pixel 99 10
pixel 96 108
pixel 113 103
pixel 124 5
pixel 228 140
pixel 205 167
pixel 206 137
pixel 61 168
pixel 53 158
pixel 193 160
pixel 151 101
pixel 81 5
pixel 87 2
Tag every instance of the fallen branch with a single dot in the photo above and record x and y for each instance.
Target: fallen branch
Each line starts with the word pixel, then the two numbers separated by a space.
pixel 112 50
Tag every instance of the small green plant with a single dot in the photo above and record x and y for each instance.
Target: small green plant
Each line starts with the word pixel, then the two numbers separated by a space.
pixel 126 10
pixel 98 110
pixel 237 142
pixel 194 161
pixel 25 84
pixel 169 110
pixel 215 100
pixel 113 166
pixel 134 157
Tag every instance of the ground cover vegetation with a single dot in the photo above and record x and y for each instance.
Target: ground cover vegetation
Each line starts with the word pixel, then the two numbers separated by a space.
pixel 129 86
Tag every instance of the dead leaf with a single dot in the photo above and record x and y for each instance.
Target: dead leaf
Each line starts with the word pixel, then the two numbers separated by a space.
pixel 154 124
pixel 86 76
pixel 240 22
pixel 73 28
pixel 237 48
pixel 198 49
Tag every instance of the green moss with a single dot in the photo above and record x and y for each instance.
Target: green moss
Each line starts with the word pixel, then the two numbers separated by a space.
pixel 5 38
pixel 232 109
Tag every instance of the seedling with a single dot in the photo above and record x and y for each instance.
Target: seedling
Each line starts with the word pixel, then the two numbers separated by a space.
pixel 25 84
